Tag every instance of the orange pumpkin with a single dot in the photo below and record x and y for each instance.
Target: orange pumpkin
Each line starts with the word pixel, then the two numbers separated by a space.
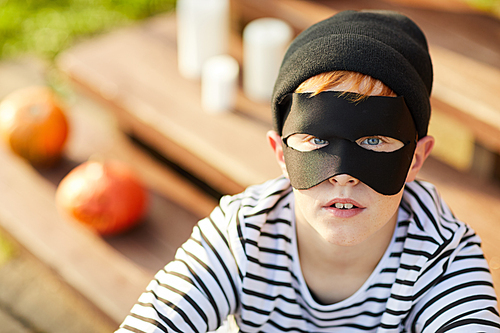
pixel 34 125
pixel 108 197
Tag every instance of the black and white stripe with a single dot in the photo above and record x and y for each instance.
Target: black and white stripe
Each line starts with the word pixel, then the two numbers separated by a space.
pixel 242 260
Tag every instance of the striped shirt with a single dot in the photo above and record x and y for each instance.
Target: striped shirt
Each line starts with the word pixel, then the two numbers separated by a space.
pixel 242 260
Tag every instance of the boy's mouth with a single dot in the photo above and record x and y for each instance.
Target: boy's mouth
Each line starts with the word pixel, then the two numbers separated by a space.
pixel 340 205
pixel 343 207
pixel 343 203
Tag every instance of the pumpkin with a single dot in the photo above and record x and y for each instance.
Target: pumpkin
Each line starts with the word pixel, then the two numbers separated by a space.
pixel 106 196
pixel 34 125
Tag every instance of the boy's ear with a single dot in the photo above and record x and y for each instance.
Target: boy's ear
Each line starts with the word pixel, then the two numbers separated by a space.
pixel 274 140
pixel 422 151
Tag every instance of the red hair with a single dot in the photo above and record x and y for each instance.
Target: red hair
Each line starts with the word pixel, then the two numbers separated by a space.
pixel 345 81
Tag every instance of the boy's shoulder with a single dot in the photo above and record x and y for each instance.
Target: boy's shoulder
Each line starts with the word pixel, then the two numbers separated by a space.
pixel 423 200
pixel 430 216
pixel 258 197
pixel 253 208
pixel 261 209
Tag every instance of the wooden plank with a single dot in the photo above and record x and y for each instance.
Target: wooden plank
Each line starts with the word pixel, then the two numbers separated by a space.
pixel 35 298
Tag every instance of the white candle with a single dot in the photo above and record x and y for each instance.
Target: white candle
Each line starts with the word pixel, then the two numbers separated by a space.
pixel 265 42
pixel 219 84
pixel 202 32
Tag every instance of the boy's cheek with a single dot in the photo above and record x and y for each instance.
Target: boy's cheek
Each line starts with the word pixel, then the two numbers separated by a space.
pixel 411 174
pixel 274 140
pixel 422 151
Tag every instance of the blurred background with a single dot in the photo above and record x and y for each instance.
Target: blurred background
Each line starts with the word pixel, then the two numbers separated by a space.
pixel 140 82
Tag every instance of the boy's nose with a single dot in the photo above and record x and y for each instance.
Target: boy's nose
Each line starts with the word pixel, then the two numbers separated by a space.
pixel 344 179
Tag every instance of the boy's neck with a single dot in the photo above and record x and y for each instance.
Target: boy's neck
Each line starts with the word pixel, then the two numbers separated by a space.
pixel 371 250
pixel 348 266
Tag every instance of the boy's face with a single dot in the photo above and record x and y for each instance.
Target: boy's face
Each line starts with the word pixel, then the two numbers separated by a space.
pixel 345 211
pixel 339 206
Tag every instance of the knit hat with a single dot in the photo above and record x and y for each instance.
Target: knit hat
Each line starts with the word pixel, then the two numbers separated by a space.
pixel 386 45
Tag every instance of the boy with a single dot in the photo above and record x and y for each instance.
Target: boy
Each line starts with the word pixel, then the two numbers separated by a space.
pixel 346 240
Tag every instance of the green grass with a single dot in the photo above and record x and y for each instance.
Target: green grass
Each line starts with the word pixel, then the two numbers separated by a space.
pixel 46 27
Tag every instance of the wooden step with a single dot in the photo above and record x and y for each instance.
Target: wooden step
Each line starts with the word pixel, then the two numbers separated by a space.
pixel 110 272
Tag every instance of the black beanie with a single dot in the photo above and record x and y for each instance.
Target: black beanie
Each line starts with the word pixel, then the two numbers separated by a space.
pixel 385 45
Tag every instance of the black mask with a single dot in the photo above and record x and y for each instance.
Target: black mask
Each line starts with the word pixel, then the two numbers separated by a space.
pixel 341 122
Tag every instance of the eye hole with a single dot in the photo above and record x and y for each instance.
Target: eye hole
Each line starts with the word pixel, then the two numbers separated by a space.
pixel 380 143
pixel 372 141
pixel 318 141
pixel 305 142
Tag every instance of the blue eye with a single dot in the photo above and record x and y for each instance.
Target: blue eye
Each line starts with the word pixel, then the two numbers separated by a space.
pixel 318 141
pixel 380 143
pixel 373 141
